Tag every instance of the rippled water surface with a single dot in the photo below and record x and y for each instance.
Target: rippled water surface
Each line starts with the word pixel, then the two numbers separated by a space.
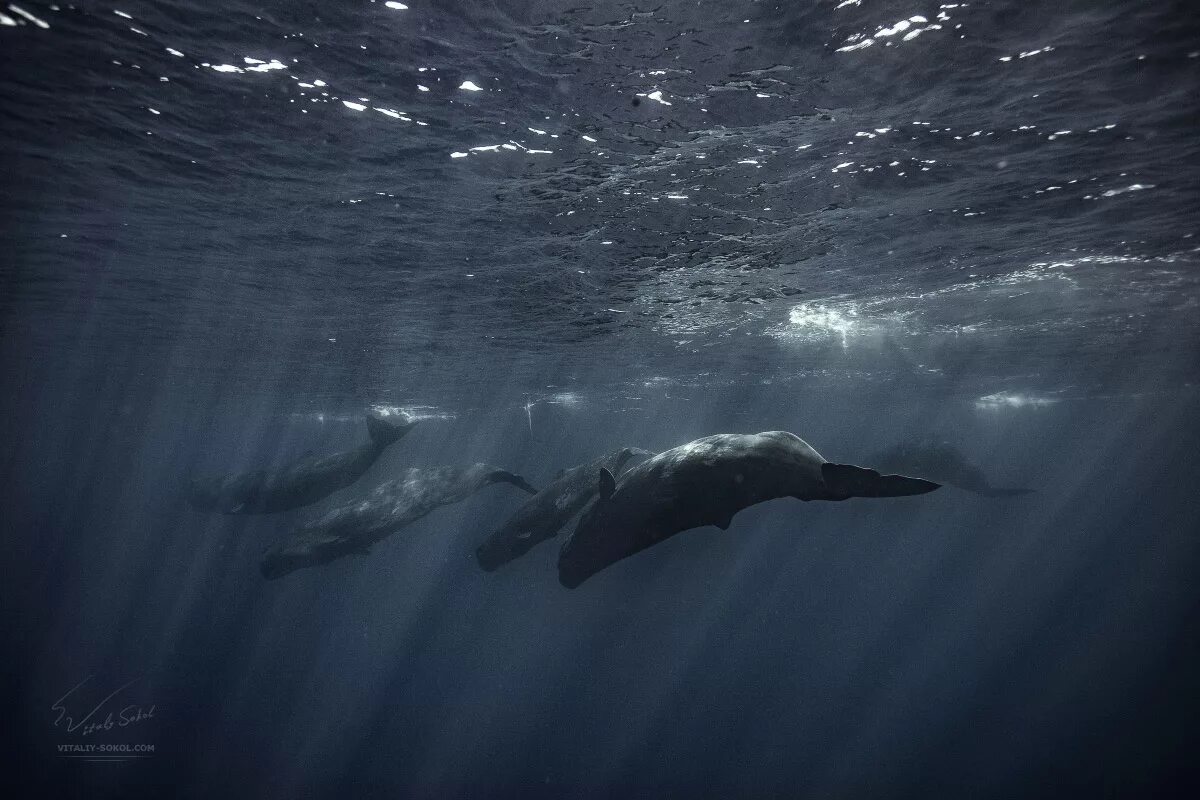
pixel 998 196
pixel 555 229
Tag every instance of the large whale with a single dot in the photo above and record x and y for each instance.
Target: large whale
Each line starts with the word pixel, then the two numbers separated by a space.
pixel 546 512
pixel 301 483
pixel 706 482
pixel 354 527
pixel 943 462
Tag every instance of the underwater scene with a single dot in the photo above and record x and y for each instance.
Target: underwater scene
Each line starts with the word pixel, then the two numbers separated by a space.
pixel 533 399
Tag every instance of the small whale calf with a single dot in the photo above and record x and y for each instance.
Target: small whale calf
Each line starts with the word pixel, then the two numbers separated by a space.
pixel 942 462
pixel 706 482
pixel 302 482
pixel 354 527
pixel 542 516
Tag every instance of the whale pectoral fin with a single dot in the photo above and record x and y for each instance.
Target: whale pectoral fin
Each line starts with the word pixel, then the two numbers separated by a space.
pixel 846 480
pixel 607 484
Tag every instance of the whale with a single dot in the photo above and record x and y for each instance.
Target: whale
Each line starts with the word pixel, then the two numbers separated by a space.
pixel 543 515
pixel 352 529
pixel 943 462
pixel 707 482
pixel 304 481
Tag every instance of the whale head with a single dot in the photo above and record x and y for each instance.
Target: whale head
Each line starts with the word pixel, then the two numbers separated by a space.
pixel 504 546
pixel 608 530
pixel 309 549
pixel 236 494
pixel 282 559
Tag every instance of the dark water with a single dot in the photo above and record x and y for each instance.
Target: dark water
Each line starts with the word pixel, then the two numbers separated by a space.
pixel 556 229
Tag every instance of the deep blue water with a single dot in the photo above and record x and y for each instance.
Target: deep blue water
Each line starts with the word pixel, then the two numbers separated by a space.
pixel 556 229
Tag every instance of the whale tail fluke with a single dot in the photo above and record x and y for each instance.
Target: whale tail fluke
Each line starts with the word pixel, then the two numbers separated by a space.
pixel 846 480
pixel 504 476
pixel 384 431
pixel 994 491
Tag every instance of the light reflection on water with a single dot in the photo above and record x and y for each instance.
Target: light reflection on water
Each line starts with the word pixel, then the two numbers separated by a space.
pixel 682 206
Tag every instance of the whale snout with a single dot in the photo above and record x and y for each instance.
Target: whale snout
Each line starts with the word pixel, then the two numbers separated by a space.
pixel 272 568
pixel 276 563
pixel 571 574
pixel 490 557
pixel 591 548
pixel 506 545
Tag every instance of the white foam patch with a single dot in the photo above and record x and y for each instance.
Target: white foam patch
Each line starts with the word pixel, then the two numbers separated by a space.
pixel 858 46
pixel 411 413
pixel 1137 187
pixel 1012 400
pixel 821 319
pixel 265 66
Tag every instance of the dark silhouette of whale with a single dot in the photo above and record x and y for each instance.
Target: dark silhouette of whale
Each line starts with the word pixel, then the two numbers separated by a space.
pixel 354 527
pixel 546 512
pixel 942 462
pixel 706 482
pixel 301 483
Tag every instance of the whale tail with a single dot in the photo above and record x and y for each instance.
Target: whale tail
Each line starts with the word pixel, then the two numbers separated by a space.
pixel 384 432
pixel 845 480
pixel 504 476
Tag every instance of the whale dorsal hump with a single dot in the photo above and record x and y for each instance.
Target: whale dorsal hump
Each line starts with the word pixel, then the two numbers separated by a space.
pixel 607 485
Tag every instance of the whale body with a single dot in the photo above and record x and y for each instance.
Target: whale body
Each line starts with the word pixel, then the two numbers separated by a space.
pixel 301 483
pixel 706 482
pixel 354 527
pixel 542 515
